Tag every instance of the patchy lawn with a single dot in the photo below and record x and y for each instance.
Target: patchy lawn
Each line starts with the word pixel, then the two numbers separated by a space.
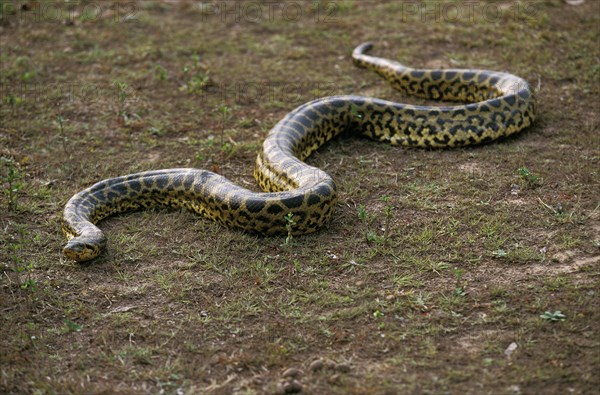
pixel 485 280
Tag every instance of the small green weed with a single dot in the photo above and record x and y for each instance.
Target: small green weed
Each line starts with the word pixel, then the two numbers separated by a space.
pixel 122 95
pixel 461 285
pixel 197 83
pixel 362 213
pixel 225 113
pixel 500 253
pixel 13 100
pixel 71 326
pixel 365 219
pixel 198 77
pixel 363 216
pixel 161 73
pixel 378 314
pixel 11 181
pixel 530 179
pixel 553 316
pixel 420 302
pixel 63 137
pixel 372 237
pixel 20 266
pixel 297 266
pixel 28 283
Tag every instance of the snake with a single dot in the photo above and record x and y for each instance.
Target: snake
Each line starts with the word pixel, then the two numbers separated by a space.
pixel 297 198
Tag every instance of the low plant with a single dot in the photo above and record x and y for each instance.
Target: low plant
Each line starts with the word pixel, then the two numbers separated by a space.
pixel 364 217
pixel 531 180
pixel 553 316
pixel 63 137
pixel 12 181
pixel 225 113
pixel 22 269
pixel 71 326
pixel 461 285
pixel 161 73
pixel 198 77
pixel 121 96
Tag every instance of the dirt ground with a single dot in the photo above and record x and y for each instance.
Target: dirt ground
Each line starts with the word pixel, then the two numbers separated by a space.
pixel 459 271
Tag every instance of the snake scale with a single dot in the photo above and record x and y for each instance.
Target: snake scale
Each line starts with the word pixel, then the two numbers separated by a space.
pixel 495 105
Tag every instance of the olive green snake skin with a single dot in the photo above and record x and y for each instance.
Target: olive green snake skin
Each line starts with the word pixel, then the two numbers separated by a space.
pixel 498 105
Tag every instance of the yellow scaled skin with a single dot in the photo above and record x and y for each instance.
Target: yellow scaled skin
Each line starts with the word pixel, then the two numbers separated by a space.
pixel 498 105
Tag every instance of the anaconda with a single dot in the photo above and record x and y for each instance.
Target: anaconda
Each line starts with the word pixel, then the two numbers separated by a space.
pixel 496 105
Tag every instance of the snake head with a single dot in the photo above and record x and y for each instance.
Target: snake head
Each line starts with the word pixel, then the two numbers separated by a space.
pixel 79 249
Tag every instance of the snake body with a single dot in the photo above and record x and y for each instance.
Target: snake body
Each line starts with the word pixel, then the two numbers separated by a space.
pixel 497 105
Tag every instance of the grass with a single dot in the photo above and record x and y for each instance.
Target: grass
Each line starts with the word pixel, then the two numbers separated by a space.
pixel 435 262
